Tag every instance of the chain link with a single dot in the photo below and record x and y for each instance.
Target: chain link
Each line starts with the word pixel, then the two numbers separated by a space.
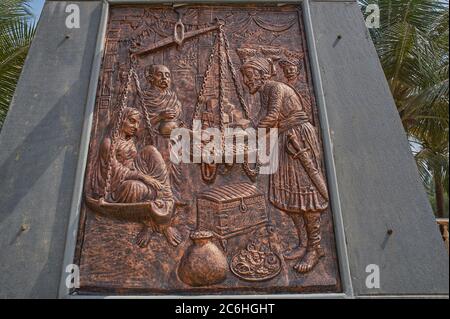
pixel 144 109
pixel 224 47
pixel 234 76
pixel 221 85
pixel 198 106
pixel 116 133
pixel 251 173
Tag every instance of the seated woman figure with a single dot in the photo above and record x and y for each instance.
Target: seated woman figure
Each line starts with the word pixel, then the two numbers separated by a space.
pixel 135 176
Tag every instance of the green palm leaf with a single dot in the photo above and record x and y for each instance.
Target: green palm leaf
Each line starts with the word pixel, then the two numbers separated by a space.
pixel 412 43
pixel 16 32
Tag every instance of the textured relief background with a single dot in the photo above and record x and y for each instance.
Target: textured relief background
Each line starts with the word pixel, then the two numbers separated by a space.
pixel 109 258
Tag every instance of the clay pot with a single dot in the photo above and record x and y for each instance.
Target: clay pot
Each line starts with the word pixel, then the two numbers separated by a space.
pixel 166 127
pixel 203 263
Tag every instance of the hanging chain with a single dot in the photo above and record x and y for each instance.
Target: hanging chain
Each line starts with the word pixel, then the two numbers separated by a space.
pixel 221 41
pixel 251 173
pixel 116 133
pixel 198 107
pixel 235 81
pixel 144 109
pixel 221 85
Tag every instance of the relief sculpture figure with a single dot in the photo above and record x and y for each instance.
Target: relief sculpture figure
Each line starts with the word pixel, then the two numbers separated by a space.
pixel 297 187
pixel 135 176
pixel 292 74
pixel 162 110
pixel 161 103
pixel 161 217
pixel 291 70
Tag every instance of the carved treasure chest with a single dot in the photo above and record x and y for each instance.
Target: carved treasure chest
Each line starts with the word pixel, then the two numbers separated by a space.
pixel 231 210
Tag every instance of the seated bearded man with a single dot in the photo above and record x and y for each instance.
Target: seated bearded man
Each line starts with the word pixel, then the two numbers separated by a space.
pixel 160 103
pixel 162 109
pixel 136 176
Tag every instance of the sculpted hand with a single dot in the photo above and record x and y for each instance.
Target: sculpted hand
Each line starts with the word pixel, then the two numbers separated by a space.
pixel 270 121
pixel 152 182
pixel 265 123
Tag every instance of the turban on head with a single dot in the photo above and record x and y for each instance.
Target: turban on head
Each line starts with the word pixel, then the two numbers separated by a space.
pixel 287 62
pixel 263 64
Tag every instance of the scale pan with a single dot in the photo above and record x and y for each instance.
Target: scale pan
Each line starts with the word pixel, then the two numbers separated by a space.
pixel 132 211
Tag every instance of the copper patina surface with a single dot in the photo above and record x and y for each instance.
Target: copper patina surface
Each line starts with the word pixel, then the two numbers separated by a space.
pixel 152 226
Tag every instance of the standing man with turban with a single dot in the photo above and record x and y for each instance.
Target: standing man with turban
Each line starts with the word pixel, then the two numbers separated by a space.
pixel 291 70
pixel 292 73
pixel 297 187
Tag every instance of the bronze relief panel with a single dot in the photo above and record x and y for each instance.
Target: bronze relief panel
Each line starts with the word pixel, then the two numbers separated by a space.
pixel 229 222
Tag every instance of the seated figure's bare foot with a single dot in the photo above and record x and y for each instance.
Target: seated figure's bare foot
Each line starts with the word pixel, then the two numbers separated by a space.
pixel 309 262
pixel 144 236
pixel 295 253
pixel 172 235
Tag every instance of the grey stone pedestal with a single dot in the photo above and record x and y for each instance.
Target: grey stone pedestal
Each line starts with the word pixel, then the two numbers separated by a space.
pixel 373 173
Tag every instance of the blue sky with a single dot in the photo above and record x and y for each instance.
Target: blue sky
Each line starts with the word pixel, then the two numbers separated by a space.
pixel 36 6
